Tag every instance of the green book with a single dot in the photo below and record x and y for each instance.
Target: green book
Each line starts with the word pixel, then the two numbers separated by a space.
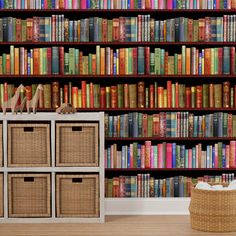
pixel 4 63
pixel 220 154
pixel 155 94
pixel 23 30
pixel 120 95
pixel 205 95
pixel 98 66
pixel 157 61
pixel 150 126
pixel 109 29
pixel 90 64
pixel 66 63
pixel 177 156
pixel 183 60
pixel 135 154
pixel 88 95
pixel 130 60
pixel 71 61
pixel 162 62
pixel 70 92
pixel 234 125
pixel 175 63
pixel 76 61
pixel 2 94
pixel 12 59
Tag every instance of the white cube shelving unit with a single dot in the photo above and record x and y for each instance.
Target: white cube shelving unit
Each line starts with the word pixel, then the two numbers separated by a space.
pixel 53 118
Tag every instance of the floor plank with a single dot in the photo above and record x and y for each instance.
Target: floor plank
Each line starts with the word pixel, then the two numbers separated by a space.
pixel 114 226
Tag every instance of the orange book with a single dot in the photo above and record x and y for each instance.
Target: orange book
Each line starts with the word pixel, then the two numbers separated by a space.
pixel 164 30
pixel 188 61
pixel 102 61
pixel 179 64
pixel 166 63
pixel 36 61
pixel 156 125
pixel 199 96
pixel 176 94
pixel 113 97
pixel 29 29
pixel 207 59
pixel 160 97
pixel 17 60
pixel 94 65
pixel 83 93
pixel 61 4
pixel 75 96
pixel 201 30
pixel 148 4
pixel 126 96
pixel 5 92
pixel 66 94
pixel 169 94
pixel 190 30
pixel 81 63
pixel 211 95
pixel 116 29
pixel 8 64
pixel 122 61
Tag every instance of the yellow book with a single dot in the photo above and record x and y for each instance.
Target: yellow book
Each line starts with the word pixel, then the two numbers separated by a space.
pixel 79 30
pixel 102 61
pixel 165 98
pixel 17 61
pixel 31 63
pixel 126 61
pixel 40 61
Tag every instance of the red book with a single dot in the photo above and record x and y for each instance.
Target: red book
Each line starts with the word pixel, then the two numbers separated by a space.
pixel 169 94
pixel 232 60
pixel 103 97
pixel 28 92
pixel 49 61
pixel 135 61
pixel 160 155
pixel 207 66
pixel 104 30
pixel 61 60
pixel 145 125
pixel 18 30
pixel 5 92
pixel 126 96
pixel 66 94
pixel 83 4
pixel 190 30
pixel 147 60
pixel 220 59
pixel 156 125
pixel 169 155
pixel 91 94
pixel 188 97
pixel 151 96
pixel 166 63
pixel 83 93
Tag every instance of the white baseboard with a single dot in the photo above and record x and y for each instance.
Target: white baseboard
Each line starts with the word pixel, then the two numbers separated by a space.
pixel 147 206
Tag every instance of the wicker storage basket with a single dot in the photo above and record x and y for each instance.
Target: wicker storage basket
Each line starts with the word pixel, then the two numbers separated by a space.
pixel 77 144
pixel 1 145
pixel 29 195
pixel 77 196
pixel 28 145
pixel 213 211
pixel 1 195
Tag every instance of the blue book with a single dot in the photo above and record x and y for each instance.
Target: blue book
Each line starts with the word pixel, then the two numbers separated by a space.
pixel 71 27
pixel 139 4
pixel 182 156
pixel 173 155
pixel 114 64
pixel 1 4
pixel 157 31
pixel 53 4
pixel 128 157
pixel 141 62
pixel 55 61
pixel 226 60
pixel 194 157
pixel 223 156
pixel 128 4
pixel 123 157
pixel 174 4
pixel 213 157
pixel 186 159
pixel 108 157
pixel 88 4
pixel 110 126
pixel 220 124
pixel 225 4
pixel 139 156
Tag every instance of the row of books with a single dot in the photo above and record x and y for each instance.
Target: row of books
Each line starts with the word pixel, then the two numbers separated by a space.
pixel 170 155
pixel 118 4
pixel 123 61
pixel 171 124
pixel 142 28
pixel 145 185
pixel 90 95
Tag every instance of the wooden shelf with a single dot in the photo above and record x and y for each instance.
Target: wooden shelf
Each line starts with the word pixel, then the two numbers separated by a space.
pixel 119 11
pixel 171 139
pixel 136 76
pixel 167 169
pixel 30 44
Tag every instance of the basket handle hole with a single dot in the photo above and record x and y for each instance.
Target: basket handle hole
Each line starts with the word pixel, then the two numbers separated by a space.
pixel 28 129
pixel 77 180
pixel 76 128
pixel 28 179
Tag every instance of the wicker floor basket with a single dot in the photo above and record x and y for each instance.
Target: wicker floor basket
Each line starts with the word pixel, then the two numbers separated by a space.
pixel 29 195
pixel 213 211
pixel 1 195
pixel 28 145
pixel 77 196
pixel 77 144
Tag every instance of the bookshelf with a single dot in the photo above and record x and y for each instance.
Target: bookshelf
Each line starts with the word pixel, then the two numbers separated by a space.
pixel 112 205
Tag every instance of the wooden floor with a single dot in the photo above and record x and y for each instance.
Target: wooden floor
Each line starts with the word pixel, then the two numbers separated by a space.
pixel 114 226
